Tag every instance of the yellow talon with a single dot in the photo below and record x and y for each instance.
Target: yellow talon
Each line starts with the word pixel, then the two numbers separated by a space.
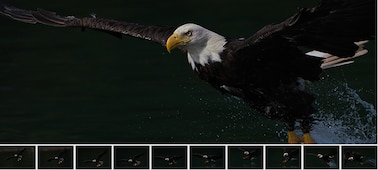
pixel 292 138
pixel 307 139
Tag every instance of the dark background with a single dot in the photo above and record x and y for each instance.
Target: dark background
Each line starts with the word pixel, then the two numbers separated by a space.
pixel 64 85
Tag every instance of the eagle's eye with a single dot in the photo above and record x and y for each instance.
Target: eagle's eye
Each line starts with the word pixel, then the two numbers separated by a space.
pixel 188 33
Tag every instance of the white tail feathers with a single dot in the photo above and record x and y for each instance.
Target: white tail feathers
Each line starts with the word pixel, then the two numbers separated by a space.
pixel 330 61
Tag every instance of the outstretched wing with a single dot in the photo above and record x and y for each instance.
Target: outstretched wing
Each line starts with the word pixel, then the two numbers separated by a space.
pixel 123 160
pixel 177 157
pixel 332 27
pixel 62 153
pixel 242 149
pixel 294 152
pixel 306 43
pixel 332 153
pixel 87 161
pixel 312 154
pixel 138 156
pixel 198 155
pixel 10 157
pixel 20 152
pixel 160 157
pixel 215 156
pixel 102 154
pixel 157 34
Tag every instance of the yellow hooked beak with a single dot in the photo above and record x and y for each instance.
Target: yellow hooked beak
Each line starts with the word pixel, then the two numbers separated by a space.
pixel 175 41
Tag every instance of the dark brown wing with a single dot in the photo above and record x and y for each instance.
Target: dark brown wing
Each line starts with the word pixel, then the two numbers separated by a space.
pixel 87 161
pixel 20 152
pixel 332 27
pixel 160 157
pixel 215 156
pixel 157 34
pixel 138 156
pixel 123 160
pixel 332 153
pixel 242 149
pixel 10 157
pixel 102 154
pixel 62 153
pixel 312 154
pixel 176 157
pixel 51 159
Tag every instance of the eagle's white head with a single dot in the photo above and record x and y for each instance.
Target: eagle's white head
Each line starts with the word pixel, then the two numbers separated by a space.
pixel 320 156
pixel 203 46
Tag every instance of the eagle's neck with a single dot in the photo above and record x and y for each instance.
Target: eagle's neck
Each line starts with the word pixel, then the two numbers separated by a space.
pixel 207 50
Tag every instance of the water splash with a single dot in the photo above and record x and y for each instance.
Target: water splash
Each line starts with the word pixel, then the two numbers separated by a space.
pixel 371 162
pixel 247 125
pixel 332 164
pixel 344 117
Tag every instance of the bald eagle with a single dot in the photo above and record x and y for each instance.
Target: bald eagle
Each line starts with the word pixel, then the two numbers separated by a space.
pixel 267 70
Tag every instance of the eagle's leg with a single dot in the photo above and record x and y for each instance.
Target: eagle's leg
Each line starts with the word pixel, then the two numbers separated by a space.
pixel 307 139
pixel 306 126
pixel 292 137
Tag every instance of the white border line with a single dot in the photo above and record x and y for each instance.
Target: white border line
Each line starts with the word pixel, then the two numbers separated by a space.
pixel 150 156
pixel 226 157
pixel 188 163
pixel 112 157
pixel 74 157
pixel 36 158
pixel 340 157
pixel 264 157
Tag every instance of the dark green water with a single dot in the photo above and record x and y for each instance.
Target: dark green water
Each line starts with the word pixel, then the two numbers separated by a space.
pixel 63 85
